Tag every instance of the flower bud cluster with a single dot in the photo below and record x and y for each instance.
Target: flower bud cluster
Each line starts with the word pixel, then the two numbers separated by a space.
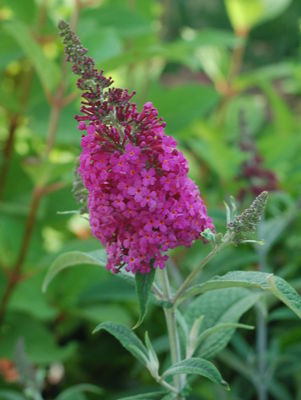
pixel 141 201
pixel 247 221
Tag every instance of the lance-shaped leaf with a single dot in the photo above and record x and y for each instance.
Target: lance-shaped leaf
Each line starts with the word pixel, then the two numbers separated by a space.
pixel 197 366
pixel 153 365
pixel 224 326
pixel 11 395
pixel 70 393
pixel 253 280
pixel 127 338
pixel 72 259
pixel 143 288
pixel 145 396
pixel 224 306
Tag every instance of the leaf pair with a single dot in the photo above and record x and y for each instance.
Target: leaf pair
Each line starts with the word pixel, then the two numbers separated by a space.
pixel 130 341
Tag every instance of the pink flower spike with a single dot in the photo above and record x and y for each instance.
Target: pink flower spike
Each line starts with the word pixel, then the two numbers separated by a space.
pixel 141 201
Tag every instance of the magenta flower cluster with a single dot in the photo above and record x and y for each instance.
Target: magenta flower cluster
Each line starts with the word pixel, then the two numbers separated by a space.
pixel 141 200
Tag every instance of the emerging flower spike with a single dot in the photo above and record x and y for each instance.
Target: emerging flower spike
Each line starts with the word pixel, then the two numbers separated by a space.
pixel 141 201
pixel 247 221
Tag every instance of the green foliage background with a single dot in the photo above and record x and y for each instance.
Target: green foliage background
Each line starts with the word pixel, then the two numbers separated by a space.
pixel 203 64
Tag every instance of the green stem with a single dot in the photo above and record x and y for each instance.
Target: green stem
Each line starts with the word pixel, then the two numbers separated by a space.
pixel 167 386
pixel 196 271
pixel 261 346
pixel 261 336
pixel 173 335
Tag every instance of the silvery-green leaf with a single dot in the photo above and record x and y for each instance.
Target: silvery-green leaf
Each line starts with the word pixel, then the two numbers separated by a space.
pixel 143 288
pixel 197 366
pixel 127 338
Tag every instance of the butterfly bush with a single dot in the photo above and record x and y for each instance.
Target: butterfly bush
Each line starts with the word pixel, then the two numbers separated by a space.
pixel 141 201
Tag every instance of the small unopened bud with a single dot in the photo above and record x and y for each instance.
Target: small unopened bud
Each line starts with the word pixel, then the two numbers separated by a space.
pixel 246 222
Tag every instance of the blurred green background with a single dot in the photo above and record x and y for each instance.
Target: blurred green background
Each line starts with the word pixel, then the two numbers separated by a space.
pixel 226 77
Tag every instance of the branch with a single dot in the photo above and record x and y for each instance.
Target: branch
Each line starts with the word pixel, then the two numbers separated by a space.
pixel 7 151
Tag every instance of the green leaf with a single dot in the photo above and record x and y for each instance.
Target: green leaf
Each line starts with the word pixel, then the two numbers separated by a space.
pixel 273 8
pixel 272 228
pixel 255 280
pixel 72 259
pixel 252 108
pixel 8 98
pixel 285 293
pixel 9 51
pixel 220 327
pixel 283 118
pixel 109 290
pixel 47 70
pixel 208 145
pixel 143 288
pixel 127 338
pixel 21 12
pixel 215 62
pixel 224 326
pixel 248 13
pixel 97 313
pixel 244 14
pixel 69 393
pixel 126 22
pixel 44 171
pixel 212 37
pixel 11 395
pixel 28 298
pixel 38 113
pixel 206 49
pixel 41 346
pixel 154 361
pixel 265 73
pixel 146 396
pixel 196 101
pixel 103 43
pixel 197 366
pixel 224 306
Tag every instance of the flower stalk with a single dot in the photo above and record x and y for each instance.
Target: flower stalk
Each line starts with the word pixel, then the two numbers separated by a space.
pixel 173 334
pixel 193 274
